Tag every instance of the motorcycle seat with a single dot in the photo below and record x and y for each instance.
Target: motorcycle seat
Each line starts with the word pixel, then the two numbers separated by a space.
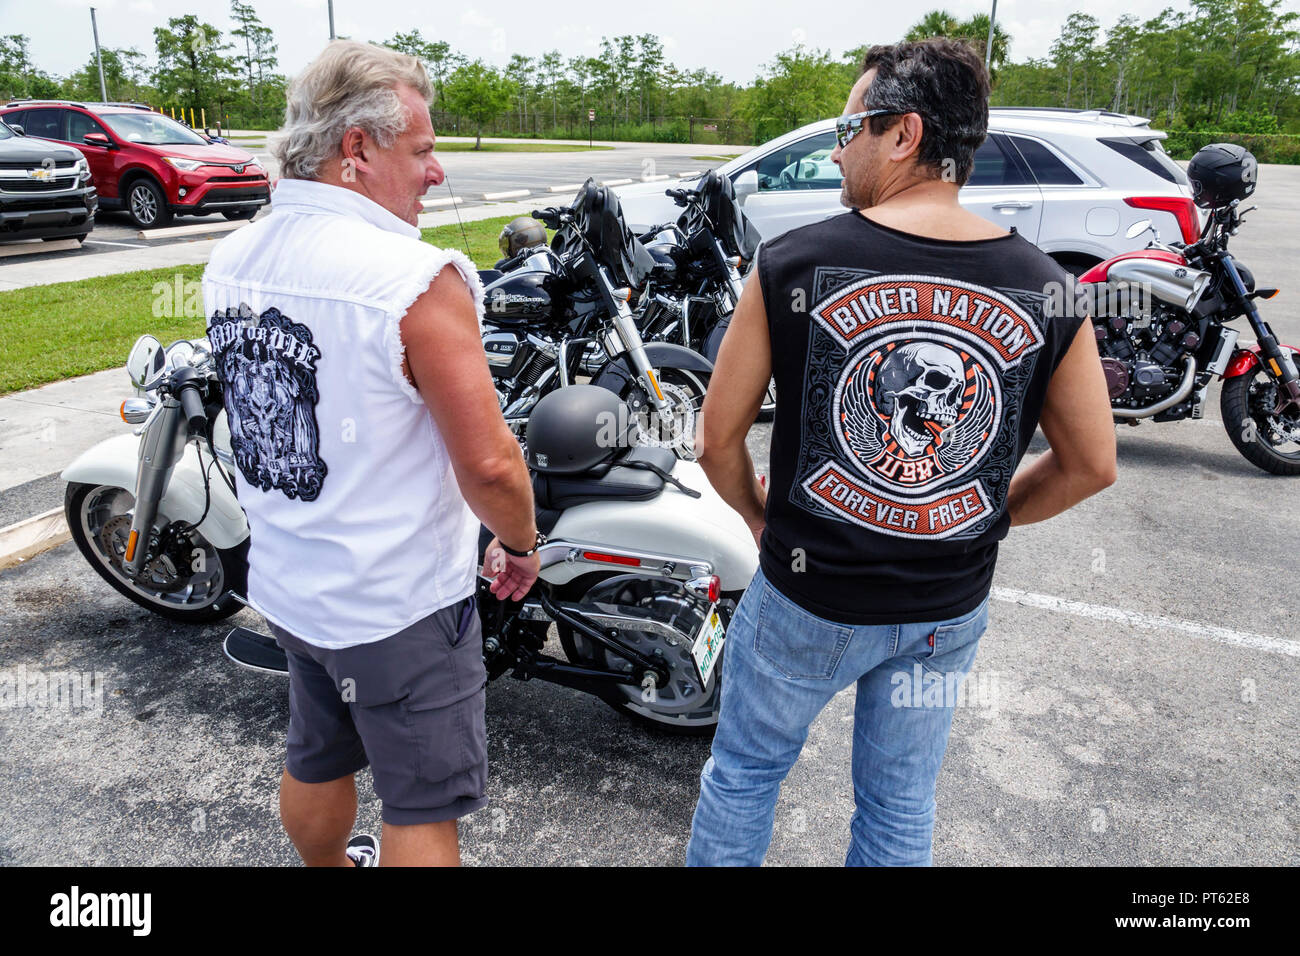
pixel 612 481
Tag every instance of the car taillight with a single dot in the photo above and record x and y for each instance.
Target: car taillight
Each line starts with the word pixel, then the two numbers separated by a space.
pixel 1184 211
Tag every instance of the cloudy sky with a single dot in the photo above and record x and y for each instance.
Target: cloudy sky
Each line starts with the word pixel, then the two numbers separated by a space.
pixel 733 39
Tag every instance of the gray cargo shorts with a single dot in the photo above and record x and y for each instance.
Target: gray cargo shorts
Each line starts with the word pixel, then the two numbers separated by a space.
pixel 411 706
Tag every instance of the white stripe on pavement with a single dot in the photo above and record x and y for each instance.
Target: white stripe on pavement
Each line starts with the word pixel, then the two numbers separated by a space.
pixel 1100 612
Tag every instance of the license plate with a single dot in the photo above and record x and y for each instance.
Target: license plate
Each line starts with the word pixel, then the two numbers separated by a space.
pixel 708 646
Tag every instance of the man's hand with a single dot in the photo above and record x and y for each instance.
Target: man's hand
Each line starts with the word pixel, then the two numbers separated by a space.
pixel 512 577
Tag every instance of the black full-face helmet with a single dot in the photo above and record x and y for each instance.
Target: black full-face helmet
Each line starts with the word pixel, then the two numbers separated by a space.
pixel 1220 173
pixel 519 234
pixel 574 429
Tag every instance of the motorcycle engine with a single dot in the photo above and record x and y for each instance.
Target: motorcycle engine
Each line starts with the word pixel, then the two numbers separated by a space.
pixel 1142 354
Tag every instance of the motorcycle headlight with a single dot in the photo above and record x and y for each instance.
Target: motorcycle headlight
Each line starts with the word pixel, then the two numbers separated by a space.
pixel 189 165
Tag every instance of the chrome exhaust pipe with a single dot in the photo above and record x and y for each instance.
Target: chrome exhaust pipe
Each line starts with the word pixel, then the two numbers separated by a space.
pixel 1184 389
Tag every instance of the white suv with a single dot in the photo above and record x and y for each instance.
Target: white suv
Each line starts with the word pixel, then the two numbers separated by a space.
pixel 1070 181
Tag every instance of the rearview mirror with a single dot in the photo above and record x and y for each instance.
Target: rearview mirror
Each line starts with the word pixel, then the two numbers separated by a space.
pixel 746 184
pixel 147 362
pixel 1139 227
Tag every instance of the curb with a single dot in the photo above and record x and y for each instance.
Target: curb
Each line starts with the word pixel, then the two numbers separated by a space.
pixel 507 194
pixel 197 229
pixel 32 536
pixel 31 248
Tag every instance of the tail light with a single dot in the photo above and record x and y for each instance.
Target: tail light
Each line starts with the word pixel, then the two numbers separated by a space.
pixel 709 586
pixel 1184 211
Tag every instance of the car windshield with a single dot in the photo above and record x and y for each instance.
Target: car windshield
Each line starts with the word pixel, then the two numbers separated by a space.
pixel 5 131
pixel 151 129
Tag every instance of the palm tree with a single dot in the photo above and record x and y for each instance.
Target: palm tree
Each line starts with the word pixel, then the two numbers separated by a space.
pixel 936 23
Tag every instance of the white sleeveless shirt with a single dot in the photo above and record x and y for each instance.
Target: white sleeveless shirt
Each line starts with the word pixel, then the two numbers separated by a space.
pixel 358 528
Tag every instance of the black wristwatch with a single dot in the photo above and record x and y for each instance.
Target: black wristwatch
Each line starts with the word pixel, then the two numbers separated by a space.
pixel 541 540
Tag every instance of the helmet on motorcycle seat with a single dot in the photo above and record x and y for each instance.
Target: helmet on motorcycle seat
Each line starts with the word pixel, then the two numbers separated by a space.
pixel 1220 173
pixel 576 428
pixel 519 234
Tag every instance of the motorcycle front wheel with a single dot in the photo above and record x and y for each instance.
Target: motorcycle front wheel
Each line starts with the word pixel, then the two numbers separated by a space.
pixel 676 429
pixel 1266 440
pixel 192 581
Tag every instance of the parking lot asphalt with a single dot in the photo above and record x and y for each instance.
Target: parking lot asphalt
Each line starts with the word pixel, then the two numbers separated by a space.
pixel 1136 697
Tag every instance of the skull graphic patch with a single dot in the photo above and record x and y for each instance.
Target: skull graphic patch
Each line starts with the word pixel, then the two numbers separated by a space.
pixel 915 401
pixel 267 366
pixel 914 413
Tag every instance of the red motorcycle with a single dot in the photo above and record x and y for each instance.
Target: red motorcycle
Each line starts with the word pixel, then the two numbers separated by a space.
pixel 1161 350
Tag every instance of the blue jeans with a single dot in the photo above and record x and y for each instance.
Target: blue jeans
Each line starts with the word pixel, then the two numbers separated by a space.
pixel 781 666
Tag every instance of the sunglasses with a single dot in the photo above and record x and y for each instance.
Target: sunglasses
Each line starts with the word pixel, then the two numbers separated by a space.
pixel 847 127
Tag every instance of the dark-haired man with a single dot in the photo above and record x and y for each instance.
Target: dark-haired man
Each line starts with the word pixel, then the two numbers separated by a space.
pixel 914 346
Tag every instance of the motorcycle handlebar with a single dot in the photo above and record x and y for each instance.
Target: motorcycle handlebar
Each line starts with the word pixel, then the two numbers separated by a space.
pixel 192 405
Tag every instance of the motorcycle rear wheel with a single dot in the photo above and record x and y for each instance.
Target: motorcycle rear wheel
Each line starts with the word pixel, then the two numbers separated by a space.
pixel 1246 405
pixel 206 596
pixel 669 714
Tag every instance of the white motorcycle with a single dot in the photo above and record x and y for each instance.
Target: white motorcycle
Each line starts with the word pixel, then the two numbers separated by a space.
pixel 642 570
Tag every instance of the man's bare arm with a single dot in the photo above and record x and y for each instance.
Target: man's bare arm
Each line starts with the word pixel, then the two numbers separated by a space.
pixel 444 354
pixel 740 379
pixel 1077 422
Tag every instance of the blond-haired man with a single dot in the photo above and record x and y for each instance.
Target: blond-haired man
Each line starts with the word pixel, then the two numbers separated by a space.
pixel 369 444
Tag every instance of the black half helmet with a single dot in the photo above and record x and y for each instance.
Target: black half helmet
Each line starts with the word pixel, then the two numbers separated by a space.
pixel 520 234
pixel 1220 173
pixel 576 428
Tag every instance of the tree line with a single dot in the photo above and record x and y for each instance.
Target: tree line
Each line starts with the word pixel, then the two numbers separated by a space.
pixel 1216 66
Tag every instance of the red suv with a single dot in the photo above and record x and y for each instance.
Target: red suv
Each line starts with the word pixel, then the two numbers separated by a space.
pixel 146 163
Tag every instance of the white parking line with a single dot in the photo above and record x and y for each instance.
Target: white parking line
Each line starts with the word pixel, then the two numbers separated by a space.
pixel 109 242
pixel 1100 612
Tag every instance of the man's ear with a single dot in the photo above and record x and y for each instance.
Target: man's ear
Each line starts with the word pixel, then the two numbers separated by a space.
pixel 354 148
pixel 907 136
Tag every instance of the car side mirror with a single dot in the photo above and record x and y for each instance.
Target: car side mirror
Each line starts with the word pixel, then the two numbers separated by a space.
pixel 97 139
pixel 745 185
pixel 18 129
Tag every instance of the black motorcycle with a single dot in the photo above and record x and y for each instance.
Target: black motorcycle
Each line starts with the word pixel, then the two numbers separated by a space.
pixel 564 311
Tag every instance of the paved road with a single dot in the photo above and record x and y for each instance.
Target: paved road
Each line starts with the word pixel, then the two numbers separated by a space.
pixel 469 176
pixel 1138 699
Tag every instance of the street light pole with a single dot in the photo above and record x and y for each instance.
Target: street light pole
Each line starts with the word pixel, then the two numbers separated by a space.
pixel 988 47
pixel 94 28
pixel 331 3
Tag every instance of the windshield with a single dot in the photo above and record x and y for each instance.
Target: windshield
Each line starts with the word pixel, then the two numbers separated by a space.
pixel 151 129
pixel 5 131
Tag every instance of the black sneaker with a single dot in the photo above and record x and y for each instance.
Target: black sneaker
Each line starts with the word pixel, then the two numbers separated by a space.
pixel 363 850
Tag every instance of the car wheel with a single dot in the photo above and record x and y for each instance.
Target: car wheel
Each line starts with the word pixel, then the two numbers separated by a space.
pixel 146 205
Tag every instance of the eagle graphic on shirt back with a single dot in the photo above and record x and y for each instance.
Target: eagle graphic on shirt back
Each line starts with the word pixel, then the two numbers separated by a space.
pixel 914 387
